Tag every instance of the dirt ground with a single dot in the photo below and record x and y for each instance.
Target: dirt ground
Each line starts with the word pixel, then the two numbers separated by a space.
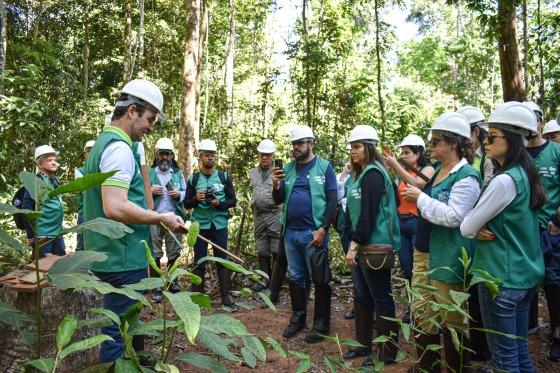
pixel 268 323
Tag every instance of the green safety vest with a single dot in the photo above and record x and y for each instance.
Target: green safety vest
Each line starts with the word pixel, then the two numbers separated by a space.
pixel 547 166
pixel 126 253
pixel 81 196
pixel 386 230
pixel 446 242
pixel 316 185
pixel 204 213
pixel 515 256
pixel 50 221
pixel 175 181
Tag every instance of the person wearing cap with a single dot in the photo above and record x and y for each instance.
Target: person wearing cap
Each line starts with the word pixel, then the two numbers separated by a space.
pixel 307 188
pixel 266 212
pixel 551 131
pixel 442 204
pixel 168 189
pixel 210 194
pixel 79 172
pixel 505 224
pixel 49 225
pixel 122 198
pixel 546 155
pixel 478 132
pixel 371 214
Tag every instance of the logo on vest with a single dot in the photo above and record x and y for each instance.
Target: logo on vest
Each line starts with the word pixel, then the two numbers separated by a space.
pixel 319 179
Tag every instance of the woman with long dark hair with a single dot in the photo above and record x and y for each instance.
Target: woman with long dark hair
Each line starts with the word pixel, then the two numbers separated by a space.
pixel 506 227
pixel 372 215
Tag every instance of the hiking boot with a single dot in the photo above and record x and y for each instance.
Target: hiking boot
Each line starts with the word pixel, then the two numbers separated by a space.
pixel 364 332
pixel 299 312
pixel 224 280
pixel 321 315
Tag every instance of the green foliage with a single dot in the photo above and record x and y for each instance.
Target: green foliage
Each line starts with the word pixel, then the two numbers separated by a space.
pixel 202 362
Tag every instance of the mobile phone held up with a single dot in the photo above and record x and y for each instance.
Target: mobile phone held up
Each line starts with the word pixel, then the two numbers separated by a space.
pixel 278 163
pixel 169 186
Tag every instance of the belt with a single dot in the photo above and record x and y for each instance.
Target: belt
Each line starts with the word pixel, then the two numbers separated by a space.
pixel 406 216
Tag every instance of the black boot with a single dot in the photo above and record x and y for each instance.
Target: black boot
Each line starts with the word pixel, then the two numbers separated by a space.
pixel 386 351
pixel 224 280
pixel 265 266
pixel 278 277
pixel 477 338
pixel 453 357
pixel 157 294
pixel 322 314
pixel 429 360
pixel 534 314
pixel 200 287
pixel 552 293
pixel 364 332
pixel 299 311
pixel 138 346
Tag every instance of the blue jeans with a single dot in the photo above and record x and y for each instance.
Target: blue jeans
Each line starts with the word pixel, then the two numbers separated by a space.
pixel 218 236
pixel 299 254
pixel 55 247
pixel 408 235
pixel 111 351
pixel 507 313
pixel 80 236
pixel 373 289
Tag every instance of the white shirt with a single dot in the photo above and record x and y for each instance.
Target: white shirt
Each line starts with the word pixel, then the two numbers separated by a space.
pixel 166 203
pixel 462 198
pixel 340 182
pixel 118 156
pixel 498 195
pixel 141 153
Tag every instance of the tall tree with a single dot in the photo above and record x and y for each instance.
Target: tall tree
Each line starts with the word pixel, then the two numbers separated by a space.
pixel 188 102
pixel 85 58
pixel 202 45
pixel 2 39
pixel 138 55
pixel 378 66
pixel 127 41
pixel 229 65
pixel 525 46
pixel 307 73
pixel 508 50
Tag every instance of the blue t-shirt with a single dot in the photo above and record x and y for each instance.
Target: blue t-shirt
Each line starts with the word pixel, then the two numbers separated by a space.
pixel 300 214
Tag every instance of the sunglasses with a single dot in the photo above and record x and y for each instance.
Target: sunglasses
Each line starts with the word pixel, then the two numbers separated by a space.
pixel 300 142
pixel 491 137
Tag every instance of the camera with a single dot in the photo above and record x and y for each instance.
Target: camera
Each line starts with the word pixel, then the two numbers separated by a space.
pixel 209 196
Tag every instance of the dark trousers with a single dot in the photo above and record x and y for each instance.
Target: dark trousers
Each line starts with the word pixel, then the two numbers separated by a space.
pixel 408 234
pixel 219 237
pixel 373 289
pixel 55 246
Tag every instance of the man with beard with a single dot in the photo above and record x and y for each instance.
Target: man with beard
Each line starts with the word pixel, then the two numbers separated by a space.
pixel 168 189
pixel 122 198
pixel 307 187
pixel 210 194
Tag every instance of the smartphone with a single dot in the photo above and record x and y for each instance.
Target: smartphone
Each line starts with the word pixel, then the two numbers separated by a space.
pixel 169 186
pixel 278 163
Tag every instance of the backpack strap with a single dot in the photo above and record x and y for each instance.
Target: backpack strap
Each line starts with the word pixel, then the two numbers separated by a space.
pixel 194 180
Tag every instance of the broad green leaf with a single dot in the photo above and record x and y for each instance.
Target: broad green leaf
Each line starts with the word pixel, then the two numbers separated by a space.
pixel 82 183
pixel 109 228
pixel 245 292
pixel 277 347
pixel 458 297
pixel 188 311
pixel 405 330
pixel 11 209
pixel 226 263
pixel 65 331
pixel 465 257
pixel 351 343
pixel 10 315
pixel 179 272
pixel 300 355
pixel 202 362
pixel 5 238
pixel 433 347
pixel 381 339
pixel 203 300
pixel 249 357
pixel 217 345
pixel 123 365
pixel 167 368
pixel 304 366
pixel 44 365
pixel 401 355
pixel 98 323
pixel 192 235
pixel 262 274
pixel 267 300
pixel 84 344
pixel 158 324
pixel 98 368
pixel 220 323
pixel 108 313
pixel 132 314
pixel 37 187
pixel 78 262
pixel 150 258
pixel 147 283
pixel 255 345
pixel 455 338
pixel 329 364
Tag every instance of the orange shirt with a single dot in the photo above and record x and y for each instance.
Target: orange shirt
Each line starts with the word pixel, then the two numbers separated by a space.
pixel 406 207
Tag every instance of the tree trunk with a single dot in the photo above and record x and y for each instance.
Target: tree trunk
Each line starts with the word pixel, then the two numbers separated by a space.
pixel 138 55
pixel 2 41
pixel 127 58
pixel 85 71
pixel 229 65
pixel 525 48
pixel 539 51
pixel 306 65
pixel 188 102
pixel 202 43
pixel 378 57
pixel 510 64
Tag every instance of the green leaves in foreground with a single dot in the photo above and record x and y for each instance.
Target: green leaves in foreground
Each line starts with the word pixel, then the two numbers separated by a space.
pixel 109 228
pixel 82 183
pixel 188 312
pixel 78 262
pixel 10 315
pixel 202 362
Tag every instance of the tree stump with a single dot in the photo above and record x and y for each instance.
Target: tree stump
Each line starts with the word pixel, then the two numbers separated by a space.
pixel 56 304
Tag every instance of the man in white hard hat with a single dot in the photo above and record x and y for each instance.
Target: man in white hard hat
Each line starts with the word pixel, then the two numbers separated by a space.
pixel 79 172
pixel 551 131
pixel 546 155
pixel 307 187
pixel 168 189
pixel 122 198
pixel 49 225
pixel 266 212
pixel 210 194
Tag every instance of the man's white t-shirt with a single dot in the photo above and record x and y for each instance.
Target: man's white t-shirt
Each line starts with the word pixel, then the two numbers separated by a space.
pixel 118 156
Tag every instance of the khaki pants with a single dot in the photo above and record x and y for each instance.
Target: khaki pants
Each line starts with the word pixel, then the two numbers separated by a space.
pixel 159 236
pixel 421 308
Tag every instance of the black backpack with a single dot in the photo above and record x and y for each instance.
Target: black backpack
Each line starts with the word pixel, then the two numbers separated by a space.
pixel 17 201
pixel 196 176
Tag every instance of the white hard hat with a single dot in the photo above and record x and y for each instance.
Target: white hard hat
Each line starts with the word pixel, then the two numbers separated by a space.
pixel 108 118
pixel 207 145
pixel 515 114
pixel 44 149
pixel 453 122
pixel 473 114
pixel 89 144
pixel 301 132
pixel 145 91
pixel 363 133
pixel 551 126
pixel 413 140
pixel 533 106
pixel 165 144
pixel 266 146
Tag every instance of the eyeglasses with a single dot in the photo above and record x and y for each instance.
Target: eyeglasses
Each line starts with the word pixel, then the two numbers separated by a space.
pixel 300 142
pixel 491 137
pixel 551 136
pixel 434 141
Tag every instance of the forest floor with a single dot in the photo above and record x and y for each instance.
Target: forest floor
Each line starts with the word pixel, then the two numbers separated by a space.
pixel 268 323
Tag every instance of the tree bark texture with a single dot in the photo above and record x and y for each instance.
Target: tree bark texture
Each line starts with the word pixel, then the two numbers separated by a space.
pixel 85 71
pixel 188 102
pixel 127 42
pixel 56 304
pixel 138 55
pixel 229 65
pixel 510 64
pixel 306 65
pixel 525 47
pixel 378 58
pixel 202 43
pixel 2 39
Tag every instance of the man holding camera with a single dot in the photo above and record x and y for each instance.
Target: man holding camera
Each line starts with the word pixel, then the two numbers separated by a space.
pixel 168 189
pixel 210 194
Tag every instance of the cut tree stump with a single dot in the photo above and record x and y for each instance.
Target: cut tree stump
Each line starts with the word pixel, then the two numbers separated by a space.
pixel 55 305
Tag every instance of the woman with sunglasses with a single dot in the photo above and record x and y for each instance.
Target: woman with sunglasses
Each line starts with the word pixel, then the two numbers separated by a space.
pixel 551 131
pixel 506 227
pixel 371 214
pixel 444 202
